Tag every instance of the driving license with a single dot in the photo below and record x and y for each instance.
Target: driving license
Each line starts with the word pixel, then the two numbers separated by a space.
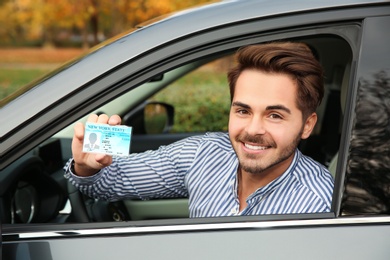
pixel 107 139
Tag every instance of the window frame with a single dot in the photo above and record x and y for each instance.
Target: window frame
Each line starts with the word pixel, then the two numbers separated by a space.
pixel 142 74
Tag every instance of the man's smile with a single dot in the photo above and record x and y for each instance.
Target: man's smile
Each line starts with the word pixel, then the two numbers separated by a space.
pixel 255 144
pixel 256 147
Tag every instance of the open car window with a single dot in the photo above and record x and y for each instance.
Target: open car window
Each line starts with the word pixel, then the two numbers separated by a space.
pixel 201 98
pixel 197 91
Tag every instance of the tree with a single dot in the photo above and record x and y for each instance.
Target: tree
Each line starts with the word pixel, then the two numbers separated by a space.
pixel 47 21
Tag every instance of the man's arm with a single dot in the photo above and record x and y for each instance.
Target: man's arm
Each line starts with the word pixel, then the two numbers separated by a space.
pixel 154 174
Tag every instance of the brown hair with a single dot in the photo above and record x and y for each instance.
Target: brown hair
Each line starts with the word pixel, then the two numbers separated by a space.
pixel 291 58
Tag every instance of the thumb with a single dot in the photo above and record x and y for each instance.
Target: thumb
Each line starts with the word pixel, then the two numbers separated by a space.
pixel 77 142
pixel 79 131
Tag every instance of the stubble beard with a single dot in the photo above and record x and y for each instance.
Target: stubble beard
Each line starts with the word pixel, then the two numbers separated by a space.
pixel 251 164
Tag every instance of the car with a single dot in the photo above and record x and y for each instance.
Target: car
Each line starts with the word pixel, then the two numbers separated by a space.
pixel 44 217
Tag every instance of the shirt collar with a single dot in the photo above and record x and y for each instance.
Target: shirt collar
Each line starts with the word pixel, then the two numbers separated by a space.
pixel 282 178
pixel 270 186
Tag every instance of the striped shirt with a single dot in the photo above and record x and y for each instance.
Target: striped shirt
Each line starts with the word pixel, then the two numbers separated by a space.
pixel 204 169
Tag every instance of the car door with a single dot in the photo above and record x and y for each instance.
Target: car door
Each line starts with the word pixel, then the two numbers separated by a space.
pixel 352 44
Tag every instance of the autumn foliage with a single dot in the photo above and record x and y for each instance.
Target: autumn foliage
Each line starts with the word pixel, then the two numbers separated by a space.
pixel 84 22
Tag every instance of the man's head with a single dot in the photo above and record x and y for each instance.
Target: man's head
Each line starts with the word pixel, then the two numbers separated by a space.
pixel 293 59
pixel 275 90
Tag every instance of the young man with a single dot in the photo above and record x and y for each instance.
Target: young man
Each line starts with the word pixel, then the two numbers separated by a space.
pixel 256 168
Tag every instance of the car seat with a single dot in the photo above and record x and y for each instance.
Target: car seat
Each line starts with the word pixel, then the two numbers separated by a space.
pixel 343 97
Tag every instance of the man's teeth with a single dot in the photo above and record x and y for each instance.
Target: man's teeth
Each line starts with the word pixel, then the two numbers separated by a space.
pixel 255 147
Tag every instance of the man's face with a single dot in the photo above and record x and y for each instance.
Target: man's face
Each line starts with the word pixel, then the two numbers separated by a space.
pixel 265 124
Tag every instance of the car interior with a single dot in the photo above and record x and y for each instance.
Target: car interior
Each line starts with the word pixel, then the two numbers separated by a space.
pixel 34 190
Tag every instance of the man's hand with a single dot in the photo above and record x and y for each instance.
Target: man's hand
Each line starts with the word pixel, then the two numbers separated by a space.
pixel 87 164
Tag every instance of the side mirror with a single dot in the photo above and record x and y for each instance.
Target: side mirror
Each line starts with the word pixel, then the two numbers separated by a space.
pixel 158 118
pixel 150 118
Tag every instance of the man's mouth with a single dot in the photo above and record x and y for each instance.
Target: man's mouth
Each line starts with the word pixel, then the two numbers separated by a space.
pixel 256 147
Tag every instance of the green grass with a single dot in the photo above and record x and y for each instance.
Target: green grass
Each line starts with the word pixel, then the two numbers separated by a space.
pixel 13 79
pixel 20 66
pixel 201 100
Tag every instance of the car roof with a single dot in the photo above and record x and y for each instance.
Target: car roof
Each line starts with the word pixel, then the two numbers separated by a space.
pixel 113 53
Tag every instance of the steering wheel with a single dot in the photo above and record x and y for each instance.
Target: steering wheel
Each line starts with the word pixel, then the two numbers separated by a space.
pixel 86 209
pixel 77 201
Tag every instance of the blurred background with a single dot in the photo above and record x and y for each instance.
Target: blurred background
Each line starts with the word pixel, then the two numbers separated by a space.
pixel 36 36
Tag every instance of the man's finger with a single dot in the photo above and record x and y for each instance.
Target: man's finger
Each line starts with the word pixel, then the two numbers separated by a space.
pixel 102 119
pixel 79 131
pixel 93 118
pixel 115 120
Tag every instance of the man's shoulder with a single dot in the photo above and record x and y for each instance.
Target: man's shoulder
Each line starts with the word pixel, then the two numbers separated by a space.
pixel 308 164
pixel 314 178
pixel 210 140
pixel 218 138
pixel 313 174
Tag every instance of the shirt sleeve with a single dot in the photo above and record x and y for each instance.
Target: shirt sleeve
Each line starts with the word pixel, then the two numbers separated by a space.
pixel 152 174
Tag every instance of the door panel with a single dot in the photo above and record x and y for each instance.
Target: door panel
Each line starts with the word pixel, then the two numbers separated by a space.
pixel 320 241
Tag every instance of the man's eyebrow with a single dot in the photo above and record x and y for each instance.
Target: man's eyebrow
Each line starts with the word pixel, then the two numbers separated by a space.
pixel 239 104
pixel 273 107
pixel 278 107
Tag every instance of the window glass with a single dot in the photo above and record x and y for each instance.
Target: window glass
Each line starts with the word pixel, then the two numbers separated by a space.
pixel 368 169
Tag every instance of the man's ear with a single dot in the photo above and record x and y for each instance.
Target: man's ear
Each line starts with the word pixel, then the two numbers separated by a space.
pixel 309 125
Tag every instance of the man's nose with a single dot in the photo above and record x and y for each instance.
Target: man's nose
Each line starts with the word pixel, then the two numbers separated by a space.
pixel 256 126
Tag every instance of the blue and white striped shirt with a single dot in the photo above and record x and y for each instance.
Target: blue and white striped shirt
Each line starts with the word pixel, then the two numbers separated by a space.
pixel 204 169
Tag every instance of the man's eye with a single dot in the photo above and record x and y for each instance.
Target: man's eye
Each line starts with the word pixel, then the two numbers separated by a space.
pixel 242 112
pixel 275 116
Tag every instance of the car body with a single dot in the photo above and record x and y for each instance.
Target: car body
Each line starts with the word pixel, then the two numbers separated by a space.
pixel 352 42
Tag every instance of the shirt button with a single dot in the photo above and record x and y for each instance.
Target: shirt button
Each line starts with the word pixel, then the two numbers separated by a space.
pixel 234 211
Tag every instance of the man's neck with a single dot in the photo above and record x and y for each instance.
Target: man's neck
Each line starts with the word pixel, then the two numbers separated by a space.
pixel 248 183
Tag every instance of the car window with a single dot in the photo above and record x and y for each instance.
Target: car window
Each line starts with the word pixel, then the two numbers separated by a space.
pixel 324 142
pixel 367 179
pixel 199 95
pixel 201 99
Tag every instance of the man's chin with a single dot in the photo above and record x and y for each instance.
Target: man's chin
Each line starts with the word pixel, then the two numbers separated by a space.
pixel 254 171
pixel 252 167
